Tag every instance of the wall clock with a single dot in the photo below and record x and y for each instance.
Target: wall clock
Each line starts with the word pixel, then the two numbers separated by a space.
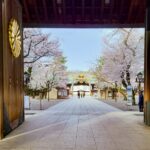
pixel 14 37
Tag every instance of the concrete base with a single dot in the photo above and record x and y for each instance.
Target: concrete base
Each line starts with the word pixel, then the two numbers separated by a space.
pixel 147 113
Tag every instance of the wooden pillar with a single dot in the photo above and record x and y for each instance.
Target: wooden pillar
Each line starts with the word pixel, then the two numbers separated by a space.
pixel 147 67
pixel 11 68
pixel 1 73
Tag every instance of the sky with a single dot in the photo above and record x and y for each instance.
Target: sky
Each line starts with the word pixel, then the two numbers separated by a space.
pixel 81 46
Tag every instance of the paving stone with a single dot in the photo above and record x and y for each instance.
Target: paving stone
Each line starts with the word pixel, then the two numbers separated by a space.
pixel 77 124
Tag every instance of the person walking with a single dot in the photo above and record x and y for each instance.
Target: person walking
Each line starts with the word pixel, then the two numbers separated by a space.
pixel 81 94
pixel 84 94
pixel 78 94
pixel 141 101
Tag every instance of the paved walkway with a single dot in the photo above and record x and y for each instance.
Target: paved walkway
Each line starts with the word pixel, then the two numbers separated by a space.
pixel 86 124
pixel 35 103
pixel 121 104
pixel 35 106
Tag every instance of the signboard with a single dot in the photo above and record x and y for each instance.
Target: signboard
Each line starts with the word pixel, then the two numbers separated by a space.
pixel 129 95
pixel 26 102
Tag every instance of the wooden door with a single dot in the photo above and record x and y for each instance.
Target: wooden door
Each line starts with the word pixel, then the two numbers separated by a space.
pixel 12 107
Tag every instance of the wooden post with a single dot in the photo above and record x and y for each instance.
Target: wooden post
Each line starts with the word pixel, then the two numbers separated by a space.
pixel 1 73
pixel 147 67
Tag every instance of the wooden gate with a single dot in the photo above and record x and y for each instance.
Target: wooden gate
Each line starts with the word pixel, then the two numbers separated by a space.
pixel 11 66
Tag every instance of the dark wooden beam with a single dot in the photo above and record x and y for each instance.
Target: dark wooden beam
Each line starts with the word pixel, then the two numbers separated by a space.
pixel 111 10
pixel 121 7
pixel 102 9
pixel 64 10
pixel 138 14
pixel 142 10
pixel 26 10
pixel 93 10
pixel 45 10
pixel 73 12
pixel 120 15
pixel 83 9
pixel 84 25
pixel 121 12
pixel 55 10
pixel 36 10
pixel 132 6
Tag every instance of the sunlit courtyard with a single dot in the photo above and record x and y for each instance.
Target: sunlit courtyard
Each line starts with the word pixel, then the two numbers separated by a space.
pixel 74 75
pixel 80 124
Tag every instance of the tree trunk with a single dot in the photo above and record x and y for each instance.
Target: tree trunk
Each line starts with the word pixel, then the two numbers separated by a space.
pixel 123 93
pixel 40 104
pixel 133 97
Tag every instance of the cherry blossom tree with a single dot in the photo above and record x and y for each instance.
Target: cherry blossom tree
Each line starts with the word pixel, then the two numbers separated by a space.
pixel 96 70
pixel 44 63
pixel 56 74
pixel 48 75
pixel 123 56
pixel 38 45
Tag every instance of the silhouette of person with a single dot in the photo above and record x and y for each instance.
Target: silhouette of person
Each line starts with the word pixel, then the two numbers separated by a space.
pixel 141 101
pixel 84 94
pixel 81 94
pixel 78 94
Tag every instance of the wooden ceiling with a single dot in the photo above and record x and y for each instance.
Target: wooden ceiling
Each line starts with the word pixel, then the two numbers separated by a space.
pixel 83 13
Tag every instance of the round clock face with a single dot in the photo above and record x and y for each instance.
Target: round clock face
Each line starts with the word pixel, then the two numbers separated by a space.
pixel 14 37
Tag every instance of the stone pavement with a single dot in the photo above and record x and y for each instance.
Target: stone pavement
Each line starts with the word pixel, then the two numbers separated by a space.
pixel 35 103
pixel 121 104
pixel 35 106
pixel 85 124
